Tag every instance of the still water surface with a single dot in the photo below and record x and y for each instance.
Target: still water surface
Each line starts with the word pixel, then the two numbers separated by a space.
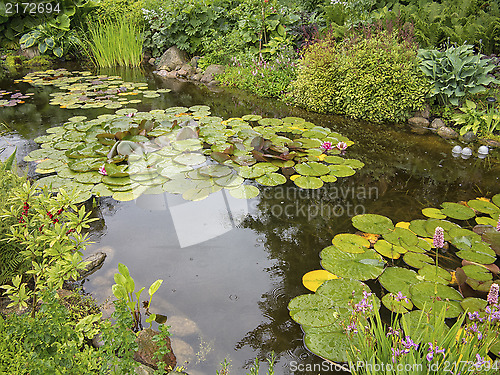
pixel 230 267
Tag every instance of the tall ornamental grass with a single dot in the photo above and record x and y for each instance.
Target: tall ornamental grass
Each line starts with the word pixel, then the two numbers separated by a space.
pixel 110 43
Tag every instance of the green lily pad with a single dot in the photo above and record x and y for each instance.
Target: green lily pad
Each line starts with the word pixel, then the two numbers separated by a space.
pixel 472 304
pixel 417 260
pixel 457 211
pixel 230 181
pixel 308 182
pixel 101 190
pixel 479 253
pixel 482 220
pixel 434 213
pixel 372 223
pixel 119 181
pixel 341 170
pixel 401 237
pixel 271 179
pixel 345 291
pixel 270 122
pixel 215 170
pixel 333 159
pixel 421 325
pixel 333 346
pixel 244 192
pixel 364 266
pixel 328 178
pixel 190 159
pixel 423 297
pixel 389 250
pixel 496 200
pixel 397 279
pixel 252 117
pixel 484 207
pixel 418 227
pixel 351 243
pixel 89 178
pixel 312 169
pixel 430 273
pixel 197 193
pixel 477 272
pixel 389 300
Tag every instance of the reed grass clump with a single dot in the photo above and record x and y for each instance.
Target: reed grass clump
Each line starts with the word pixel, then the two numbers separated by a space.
pixel 110 43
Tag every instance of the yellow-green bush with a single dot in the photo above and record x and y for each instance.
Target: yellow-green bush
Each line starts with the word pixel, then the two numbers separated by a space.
pixel 374 76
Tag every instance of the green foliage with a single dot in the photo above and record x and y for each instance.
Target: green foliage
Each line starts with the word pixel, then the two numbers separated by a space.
pixel 116 10
pixel 485 122
pixel 11 261
pixel 373 77
pixel 265 78
pixel 457 21
pixel 49 228
pixel 161 340
pixel 456 73
pixel 112 43
pixel 119 341
pixel 124 290
pixel 47 344
pixel 185 23
pixel 220 50
pixel 464 348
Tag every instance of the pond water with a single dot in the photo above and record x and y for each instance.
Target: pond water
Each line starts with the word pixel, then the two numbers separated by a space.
pixel 229 266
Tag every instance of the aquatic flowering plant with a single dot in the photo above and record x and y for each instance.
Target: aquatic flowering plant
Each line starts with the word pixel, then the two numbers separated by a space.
pixel 102 170
pixel 342 146
pixel 432 348
pixel 327 146
pixel 438 240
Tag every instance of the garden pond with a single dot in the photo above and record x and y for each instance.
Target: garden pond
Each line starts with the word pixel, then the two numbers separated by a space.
pixel 230 265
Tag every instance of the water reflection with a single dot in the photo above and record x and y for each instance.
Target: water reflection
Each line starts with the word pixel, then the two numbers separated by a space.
pixel 230 266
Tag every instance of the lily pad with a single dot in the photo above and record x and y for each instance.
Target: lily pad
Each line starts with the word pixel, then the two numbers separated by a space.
pixel 313 279
pixel 364 266
pixel 432 274
pixel 350 243
pixel 312 169
pixel 423 297
pixel 484 207
pixel 417 260
pixel 332 346
pixel 397 279
pixel 401 237
pixel 472 304
pixel 190 159
pixel 372 223
pixel 271 179
pixel 434 213
pixel 244 192
pixel 308 182
pixel 457 211
pixel 477 272
pixel 389 250
pixel 398 306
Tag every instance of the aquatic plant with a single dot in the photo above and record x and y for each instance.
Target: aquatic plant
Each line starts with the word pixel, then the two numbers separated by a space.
pixel 187 151
pixel 15 98
pixel 110 42
pixel 353 258
pixel 84 90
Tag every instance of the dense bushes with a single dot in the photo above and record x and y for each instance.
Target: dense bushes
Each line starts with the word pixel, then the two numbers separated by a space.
pixel 374 77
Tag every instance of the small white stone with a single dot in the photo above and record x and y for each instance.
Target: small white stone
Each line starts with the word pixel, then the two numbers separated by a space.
pixel 466 151
pixel 483 150
pixel 457 149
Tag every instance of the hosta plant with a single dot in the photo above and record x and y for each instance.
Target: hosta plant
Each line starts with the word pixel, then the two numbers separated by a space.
pixel 456 73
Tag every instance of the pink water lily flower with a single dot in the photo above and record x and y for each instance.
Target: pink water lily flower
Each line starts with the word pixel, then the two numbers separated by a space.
pixel 342 146
pixel 130 114
pixel 327 146
pixel 102 170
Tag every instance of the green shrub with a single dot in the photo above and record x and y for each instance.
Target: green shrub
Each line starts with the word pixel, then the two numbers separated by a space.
pixel 374 77
pixel 474 22
pixel 265 78
pixel 185 24
pixel 45 344
pixel 456 73
pixel 11 261
pixel 116 10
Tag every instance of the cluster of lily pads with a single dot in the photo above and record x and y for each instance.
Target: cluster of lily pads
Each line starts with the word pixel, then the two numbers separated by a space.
pixel 187 151
pixel 14 99
pixel 402 258
pixel 84 90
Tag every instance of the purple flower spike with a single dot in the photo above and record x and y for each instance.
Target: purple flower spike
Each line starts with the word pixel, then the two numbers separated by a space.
pixel 438 240
pixel 498 224
pixel 493 294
